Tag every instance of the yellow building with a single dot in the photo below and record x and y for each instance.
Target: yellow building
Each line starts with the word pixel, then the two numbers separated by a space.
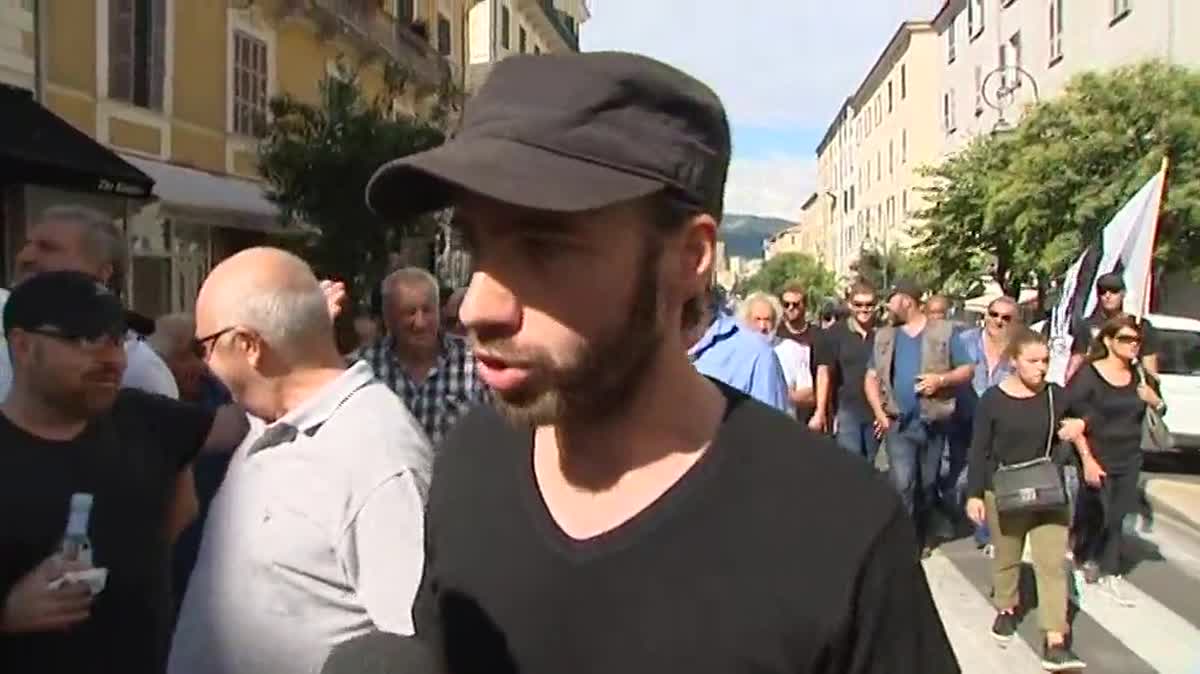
pixel 178 90
pixel 867 164
pixel 501 28
pixel 807 236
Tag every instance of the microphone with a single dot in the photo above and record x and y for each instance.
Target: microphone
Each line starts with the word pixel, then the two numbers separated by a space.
pixel 381 653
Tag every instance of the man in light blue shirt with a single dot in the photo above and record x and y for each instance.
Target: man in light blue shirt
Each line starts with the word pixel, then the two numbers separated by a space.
pixel 737 356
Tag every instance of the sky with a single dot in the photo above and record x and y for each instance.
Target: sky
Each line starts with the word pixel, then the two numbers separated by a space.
pixel 782 68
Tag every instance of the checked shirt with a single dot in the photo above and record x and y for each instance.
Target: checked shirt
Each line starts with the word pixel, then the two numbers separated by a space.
pixel 450 389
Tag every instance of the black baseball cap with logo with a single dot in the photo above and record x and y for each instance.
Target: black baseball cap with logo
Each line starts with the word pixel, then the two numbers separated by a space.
pixel 70 304
pixel 570 133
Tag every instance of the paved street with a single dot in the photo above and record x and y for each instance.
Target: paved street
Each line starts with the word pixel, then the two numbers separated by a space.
pixel 1160 634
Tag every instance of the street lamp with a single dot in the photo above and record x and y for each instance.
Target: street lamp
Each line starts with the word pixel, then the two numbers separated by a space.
pixel 1003 95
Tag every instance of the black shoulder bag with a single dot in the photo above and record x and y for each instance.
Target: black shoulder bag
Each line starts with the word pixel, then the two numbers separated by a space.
pixel 1031 485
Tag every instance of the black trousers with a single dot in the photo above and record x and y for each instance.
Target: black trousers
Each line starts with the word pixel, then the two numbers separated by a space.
pixel 1100 518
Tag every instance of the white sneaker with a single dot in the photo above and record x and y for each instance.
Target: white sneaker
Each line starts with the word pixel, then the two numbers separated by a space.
pixel 1114 588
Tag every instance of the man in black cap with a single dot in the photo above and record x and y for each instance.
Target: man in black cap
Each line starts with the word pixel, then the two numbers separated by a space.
pixel 915 369
pixel 619 511
pixel 67 427
pixel 1110 303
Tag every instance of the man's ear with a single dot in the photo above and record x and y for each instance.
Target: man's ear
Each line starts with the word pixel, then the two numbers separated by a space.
pixel 698 253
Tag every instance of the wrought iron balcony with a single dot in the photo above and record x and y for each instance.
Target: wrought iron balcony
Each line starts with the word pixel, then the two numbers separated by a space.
pixel 400 41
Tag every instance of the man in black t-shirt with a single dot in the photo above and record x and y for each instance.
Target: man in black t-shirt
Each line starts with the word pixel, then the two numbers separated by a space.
pixel 620 512
pixel 1110 303
pixel 68 428
pixel 841 370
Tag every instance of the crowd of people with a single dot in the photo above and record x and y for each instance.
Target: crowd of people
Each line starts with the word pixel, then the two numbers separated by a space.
pixel 583 462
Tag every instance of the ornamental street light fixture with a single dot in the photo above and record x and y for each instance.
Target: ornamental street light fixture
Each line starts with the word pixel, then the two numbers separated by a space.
pixel 999 91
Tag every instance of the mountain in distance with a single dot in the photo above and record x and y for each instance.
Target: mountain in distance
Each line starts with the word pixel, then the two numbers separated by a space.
pixel 744 234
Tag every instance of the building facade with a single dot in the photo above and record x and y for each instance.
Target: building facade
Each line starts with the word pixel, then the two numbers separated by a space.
pixel 869 159
pixel 179 90
pixel 807 236
pixel 982 42
pixel 501 28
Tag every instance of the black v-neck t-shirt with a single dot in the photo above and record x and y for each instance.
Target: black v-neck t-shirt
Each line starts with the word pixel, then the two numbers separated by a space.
pixel 128 460
pixel 775 553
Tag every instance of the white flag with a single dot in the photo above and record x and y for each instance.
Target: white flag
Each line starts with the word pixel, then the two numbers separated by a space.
pixel 1127 246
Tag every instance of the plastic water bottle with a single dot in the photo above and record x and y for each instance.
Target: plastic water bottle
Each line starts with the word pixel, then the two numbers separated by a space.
pixel 76 546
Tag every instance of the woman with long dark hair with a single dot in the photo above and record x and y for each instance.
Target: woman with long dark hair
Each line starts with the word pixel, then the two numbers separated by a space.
pixel 1018 421
pixel 1116 393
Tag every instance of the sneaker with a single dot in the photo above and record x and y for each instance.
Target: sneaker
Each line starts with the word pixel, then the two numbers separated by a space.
pixel 989 551
pixel 1060 658
pixel 1114 588
pixel 1091 572
pixel 1005 626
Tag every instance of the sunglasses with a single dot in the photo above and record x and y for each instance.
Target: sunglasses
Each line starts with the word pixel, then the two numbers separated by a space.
pixel 863 305
pixel 202 347
pixel 793 305
pixel 93 343
pixel 1003 318
pixel 1127 339
pixel 1111 291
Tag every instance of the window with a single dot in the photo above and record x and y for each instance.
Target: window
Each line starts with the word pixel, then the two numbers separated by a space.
pixel 891 157
pixel 1002 64
pixel 249 84
pixel 445 44
pixel 537 49
pixel 904 204
pixel 522 40
pixel 1056 29
pixel 951 49
pixel 890 102
pixel 505 27
pixel 903 81
pixel 1014 44
pixel 948 122
pixel 137 51
pixel 1120 8
pixel 975 22
pixel 879 165
pixel 904 146
pixel 406 12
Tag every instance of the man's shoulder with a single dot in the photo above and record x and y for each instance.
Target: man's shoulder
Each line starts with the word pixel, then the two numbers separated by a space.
pixel 387 438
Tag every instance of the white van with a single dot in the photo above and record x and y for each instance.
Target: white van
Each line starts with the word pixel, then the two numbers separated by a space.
pixel 1179 370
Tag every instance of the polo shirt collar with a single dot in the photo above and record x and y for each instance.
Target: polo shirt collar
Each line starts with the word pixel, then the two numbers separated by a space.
pixel 316 410
pixel 723 327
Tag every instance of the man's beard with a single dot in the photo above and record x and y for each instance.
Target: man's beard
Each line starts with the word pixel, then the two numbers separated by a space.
pixel 603 375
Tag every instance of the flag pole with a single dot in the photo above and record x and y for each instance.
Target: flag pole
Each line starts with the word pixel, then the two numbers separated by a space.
pixel 1148 286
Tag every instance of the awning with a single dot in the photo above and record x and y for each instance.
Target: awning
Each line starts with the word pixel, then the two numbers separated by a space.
pixel 38 147
pixel 235 202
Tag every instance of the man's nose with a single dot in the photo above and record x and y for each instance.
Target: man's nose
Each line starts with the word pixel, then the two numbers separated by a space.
pixel 489 306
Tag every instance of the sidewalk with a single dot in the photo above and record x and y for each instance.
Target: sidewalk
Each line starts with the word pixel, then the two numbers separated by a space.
pixel 1175 496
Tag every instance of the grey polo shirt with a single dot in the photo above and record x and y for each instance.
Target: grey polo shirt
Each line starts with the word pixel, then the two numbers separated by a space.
pixel 315 536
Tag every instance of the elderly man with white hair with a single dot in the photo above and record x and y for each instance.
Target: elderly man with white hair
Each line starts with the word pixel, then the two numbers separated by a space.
pixel 762 312
pixel 316 534
pixel 433 372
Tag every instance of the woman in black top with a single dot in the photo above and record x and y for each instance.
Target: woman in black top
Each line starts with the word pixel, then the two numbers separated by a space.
pixel 1016 421
pixel 1113 391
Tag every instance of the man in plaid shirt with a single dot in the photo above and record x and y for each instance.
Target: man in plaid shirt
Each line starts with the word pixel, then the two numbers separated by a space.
pixel 432 372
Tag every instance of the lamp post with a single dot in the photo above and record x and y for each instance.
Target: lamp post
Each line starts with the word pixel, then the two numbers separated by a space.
pixel 999 91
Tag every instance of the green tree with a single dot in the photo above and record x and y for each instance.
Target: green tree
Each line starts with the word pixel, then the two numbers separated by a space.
pixel 880 270
pixel 786 268
pixel 1019 206
pixel 318 159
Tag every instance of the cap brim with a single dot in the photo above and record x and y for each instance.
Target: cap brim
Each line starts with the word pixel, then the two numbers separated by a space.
pixel 503 170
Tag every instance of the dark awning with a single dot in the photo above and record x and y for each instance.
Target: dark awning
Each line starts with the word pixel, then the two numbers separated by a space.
pixel 38 147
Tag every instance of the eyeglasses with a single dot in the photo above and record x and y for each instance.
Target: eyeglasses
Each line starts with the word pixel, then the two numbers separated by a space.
pixel 1003 318
pixel 202 347
pixel 793 305
pixel 95 343
pixel 1127 339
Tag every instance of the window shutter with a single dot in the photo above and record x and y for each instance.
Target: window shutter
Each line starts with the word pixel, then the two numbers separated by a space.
pixel 120 49
pixel 157 70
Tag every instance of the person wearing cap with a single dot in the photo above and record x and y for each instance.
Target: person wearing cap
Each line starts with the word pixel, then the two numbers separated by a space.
pixel 915 369
pixel 1110 303
pixel 68 427
pixel 615 510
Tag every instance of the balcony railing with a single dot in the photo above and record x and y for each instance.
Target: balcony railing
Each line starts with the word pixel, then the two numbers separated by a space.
pixel 399 40
pixel 559 21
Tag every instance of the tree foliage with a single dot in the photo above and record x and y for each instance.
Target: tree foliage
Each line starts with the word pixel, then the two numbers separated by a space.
pixel 1020 206
pixel 880 269
pixel 318 159
pixel 787 268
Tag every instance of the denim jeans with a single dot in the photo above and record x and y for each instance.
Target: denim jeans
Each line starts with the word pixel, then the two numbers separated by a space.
pixel 914 449
pixel 856 434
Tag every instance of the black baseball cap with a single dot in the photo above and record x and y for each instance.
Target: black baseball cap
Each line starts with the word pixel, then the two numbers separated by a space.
pixel 569 133
pixel 1111 281
pixel 68 303
pixel 907 287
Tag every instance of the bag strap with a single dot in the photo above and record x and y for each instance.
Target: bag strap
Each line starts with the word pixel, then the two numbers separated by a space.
pixel 1050 434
